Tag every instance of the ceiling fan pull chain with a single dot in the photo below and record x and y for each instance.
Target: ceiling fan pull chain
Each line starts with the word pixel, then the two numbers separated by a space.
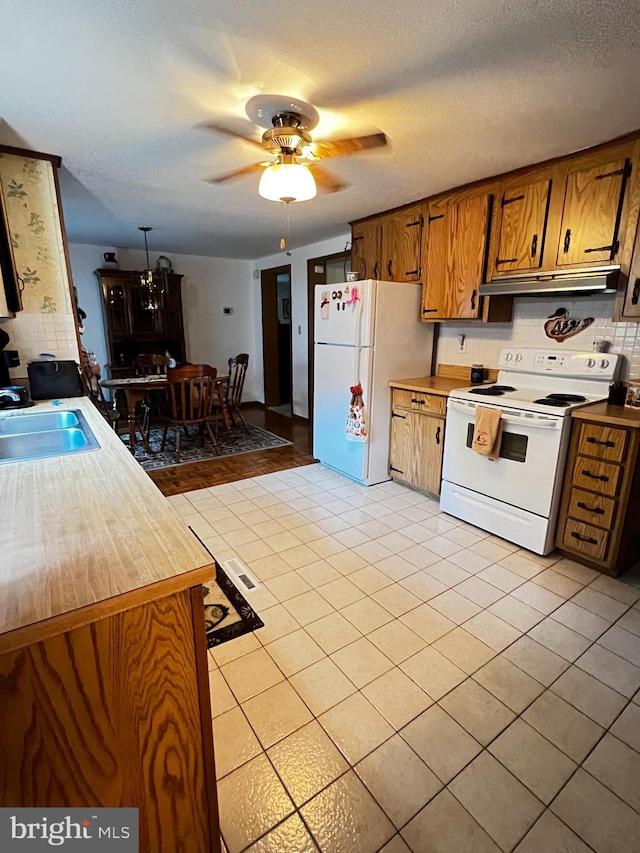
pixel 284 242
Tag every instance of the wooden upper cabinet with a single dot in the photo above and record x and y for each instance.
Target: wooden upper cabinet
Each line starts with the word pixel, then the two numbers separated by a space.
pixel 631 295
pixel 591 215
pixel 522 215
pixel 366 247
pixel 402 245
pixel 456 249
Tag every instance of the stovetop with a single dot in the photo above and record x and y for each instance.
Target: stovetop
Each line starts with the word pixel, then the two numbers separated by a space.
pixel 553 382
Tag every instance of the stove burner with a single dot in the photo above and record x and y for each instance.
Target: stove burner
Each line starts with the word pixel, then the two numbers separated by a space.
pixel 567 398
pixel 492 390
pixel 552 401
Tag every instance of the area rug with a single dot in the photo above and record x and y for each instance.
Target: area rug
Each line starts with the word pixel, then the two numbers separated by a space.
pixel 195 448
pixel 227 614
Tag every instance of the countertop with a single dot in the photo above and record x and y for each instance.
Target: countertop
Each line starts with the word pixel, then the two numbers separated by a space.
pixel 85 536
pixel 603 413
pixel 441 385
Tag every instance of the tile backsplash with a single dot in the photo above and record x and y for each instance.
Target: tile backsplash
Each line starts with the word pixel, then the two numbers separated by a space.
pixel 32 334
pixel 484 342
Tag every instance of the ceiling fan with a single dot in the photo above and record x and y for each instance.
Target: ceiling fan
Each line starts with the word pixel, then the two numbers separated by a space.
pixel 295 171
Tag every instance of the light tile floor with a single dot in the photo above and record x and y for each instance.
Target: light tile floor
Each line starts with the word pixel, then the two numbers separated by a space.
pixel 419 685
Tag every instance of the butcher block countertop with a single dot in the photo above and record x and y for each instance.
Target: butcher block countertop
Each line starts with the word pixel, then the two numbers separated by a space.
pixel 603 413
pixel 85 536
pixel 441 385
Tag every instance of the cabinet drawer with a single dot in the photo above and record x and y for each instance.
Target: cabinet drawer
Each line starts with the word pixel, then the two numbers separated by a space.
pixel 432 404
pixel 594 509
pixel 588 540
pixel 603 442
pixel 601 477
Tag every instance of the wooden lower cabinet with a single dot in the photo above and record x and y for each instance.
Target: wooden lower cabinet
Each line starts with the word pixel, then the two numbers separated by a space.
pixel 417 440
pixel 117 713
pixel 599 524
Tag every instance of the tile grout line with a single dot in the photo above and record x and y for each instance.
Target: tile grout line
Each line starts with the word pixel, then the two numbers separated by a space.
pixel 505 594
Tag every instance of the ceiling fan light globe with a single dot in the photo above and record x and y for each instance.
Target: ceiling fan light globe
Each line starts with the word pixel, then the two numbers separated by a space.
pixel 287 182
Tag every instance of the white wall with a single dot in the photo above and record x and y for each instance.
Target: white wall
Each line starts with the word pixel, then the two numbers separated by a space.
pixel 298 261
pixel 484 341
pixel 209 284
pixel 84 260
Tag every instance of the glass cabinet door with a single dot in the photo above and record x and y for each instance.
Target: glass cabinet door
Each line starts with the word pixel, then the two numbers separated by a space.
pixel 118 314
pixel 147 308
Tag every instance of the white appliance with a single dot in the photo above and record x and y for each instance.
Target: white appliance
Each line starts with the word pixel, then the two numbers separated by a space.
pixel 517 496
pixel 366 331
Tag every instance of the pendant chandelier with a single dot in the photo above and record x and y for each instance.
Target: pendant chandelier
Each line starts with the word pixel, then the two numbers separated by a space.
pixel 151 281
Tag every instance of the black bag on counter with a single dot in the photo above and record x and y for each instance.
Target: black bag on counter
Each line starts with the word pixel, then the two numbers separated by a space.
pixel 51 380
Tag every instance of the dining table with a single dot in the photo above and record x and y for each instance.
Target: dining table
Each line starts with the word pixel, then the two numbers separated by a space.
pixel 135 388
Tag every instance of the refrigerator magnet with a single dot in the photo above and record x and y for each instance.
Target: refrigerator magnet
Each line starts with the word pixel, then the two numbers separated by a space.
pixel 325 305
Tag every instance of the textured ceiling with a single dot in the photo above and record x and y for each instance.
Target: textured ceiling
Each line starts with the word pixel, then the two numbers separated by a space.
pixel 463 88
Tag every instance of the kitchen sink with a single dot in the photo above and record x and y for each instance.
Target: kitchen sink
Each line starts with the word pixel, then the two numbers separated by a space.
pixel 45 434
pixel 38 422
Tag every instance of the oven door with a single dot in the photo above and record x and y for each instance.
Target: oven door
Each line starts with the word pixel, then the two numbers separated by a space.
pixel 526 471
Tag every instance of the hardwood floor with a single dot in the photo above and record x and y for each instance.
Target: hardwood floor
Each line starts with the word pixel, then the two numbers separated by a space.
pixel 213 472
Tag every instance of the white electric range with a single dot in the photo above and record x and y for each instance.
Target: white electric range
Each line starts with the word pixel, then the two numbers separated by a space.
pixel 517 496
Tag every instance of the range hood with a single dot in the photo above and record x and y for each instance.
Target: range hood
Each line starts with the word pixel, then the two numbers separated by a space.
pixel 576 281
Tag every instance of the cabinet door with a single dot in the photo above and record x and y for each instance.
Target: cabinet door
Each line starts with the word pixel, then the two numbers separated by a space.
pixel 416 450
pixel 524 210
pixel 117 309
pixel 147 309
pixel 631 307
pixel 591 215
pixel 456 258
pixel 366 245
pixel 173 308
pixel 428 447
pixel 402 245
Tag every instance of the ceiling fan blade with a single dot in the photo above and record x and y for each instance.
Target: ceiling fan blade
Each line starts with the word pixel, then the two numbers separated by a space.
pixel 325 180
pixel 228 131
pixel 237 173
pixel 327 148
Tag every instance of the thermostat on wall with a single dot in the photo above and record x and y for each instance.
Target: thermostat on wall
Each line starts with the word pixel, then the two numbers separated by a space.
pixel 227 310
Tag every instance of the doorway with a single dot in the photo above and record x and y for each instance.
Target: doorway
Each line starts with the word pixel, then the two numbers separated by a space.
pixel 330 269
pixel 276 339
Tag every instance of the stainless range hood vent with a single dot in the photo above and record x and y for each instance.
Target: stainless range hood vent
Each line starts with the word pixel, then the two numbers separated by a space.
pixel 576 281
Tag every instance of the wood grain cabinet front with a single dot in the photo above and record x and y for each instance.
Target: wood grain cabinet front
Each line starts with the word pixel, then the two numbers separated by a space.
pixel 598 522
pixel 594 195
pixel 117 713
pixel 389 247
pixel 366 248
pixel 521 219
pixel 456 251
pixel 417 439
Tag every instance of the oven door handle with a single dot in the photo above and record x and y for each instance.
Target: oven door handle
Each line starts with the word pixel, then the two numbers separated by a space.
pixel 525 422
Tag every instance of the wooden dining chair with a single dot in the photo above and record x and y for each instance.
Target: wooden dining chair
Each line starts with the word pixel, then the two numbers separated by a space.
pixel 152 364
pixel 192 390
pixel 233 397
pixel 90 375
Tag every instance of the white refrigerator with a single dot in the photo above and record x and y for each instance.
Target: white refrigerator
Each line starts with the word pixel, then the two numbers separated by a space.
pixel 367 332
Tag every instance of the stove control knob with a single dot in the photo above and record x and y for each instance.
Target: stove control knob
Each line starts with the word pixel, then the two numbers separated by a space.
pixel 519 356
pixel 591 362
pixel 604 363
pixel 508 356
